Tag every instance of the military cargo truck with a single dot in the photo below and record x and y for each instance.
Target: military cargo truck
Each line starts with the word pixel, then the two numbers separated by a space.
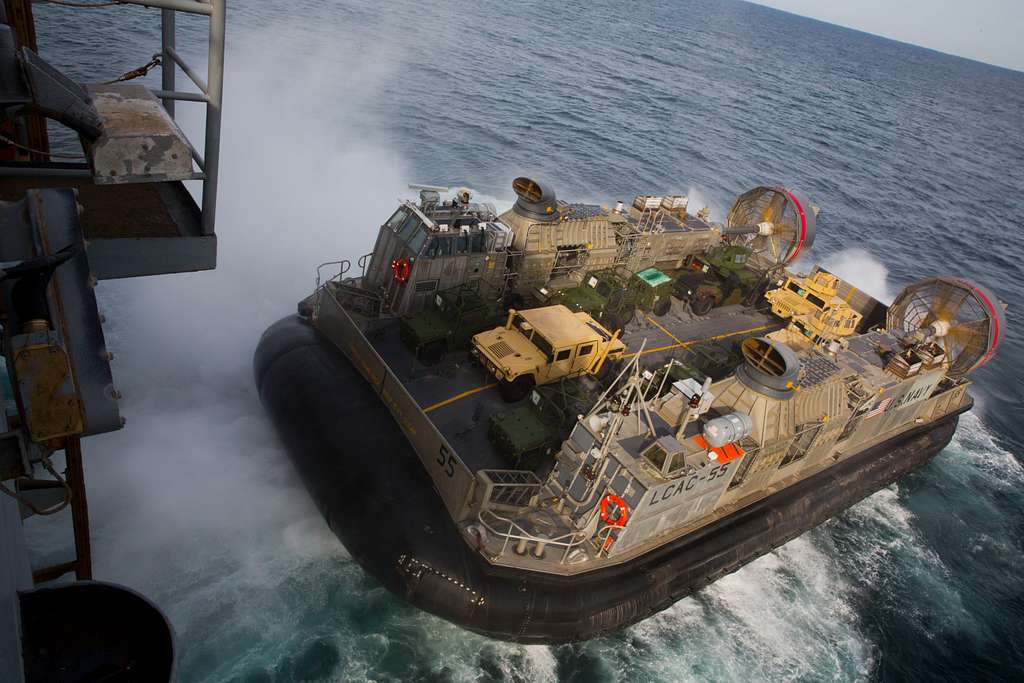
pixel 613 296
pixel 449 322
pixel 719 278
pixel 543 345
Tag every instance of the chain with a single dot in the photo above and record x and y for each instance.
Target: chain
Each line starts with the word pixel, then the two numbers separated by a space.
pixel 137 73
pixel 33 150
pixel 83 5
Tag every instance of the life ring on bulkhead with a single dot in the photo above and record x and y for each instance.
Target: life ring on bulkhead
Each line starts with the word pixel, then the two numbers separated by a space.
pixel 623 510
pixel 400 268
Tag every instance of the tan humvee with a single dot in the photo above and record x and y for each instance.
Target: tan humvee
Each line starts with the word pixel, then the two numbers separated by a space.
pixel 543 345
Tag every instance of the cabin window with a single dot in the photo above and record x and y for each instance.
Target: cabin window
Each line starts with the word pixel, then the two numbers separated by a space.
pixel 524 327
pixel 794 287
pixel 585 350
pixel 563 354
pixel 743 470
pixel 740 258
pixel 604 289
pixel 656 456
pixel 462 243
pixel 802 442
pixel 417 240
pixel 409 226
pixel 544 346
pixel 815 300
pixel 478 241
pixel 397 219
pixel 440 245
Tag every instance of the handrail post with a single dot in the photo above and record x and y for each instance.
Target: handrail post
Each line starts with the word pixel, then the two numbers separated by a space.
pixel 168 66
pixel 215 85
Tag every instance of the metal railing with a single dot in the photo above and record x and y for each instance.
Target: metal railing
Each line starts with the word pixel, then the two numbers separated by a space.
pixel 513 491
pixel 210 89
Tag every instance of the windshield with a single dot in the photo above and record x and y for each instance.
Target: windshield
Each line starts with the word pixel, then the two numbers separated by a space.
pixel 519 322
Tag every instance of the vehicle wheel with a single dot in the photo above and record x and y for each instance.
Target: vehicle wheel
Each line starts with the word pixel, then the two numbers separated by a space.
pixel 611 320
pixel 432 353
pixel 627 314
pixel 662 306
pixel 702 303
pixel 515 390
pixel 753 297
pixel 609 370
pixel 514 300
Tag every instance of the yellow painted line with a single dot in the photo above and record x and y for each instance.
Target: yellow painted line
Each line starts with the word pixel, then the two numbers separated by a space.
pixel 677 345
pixel 671 336
pixel 683 345
pixel 457 397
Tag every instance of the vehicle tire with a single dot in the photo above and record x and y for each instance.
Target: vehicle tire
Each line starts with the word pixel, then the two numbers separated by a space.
pixel 662 306
pixel 609 370
pixel 517 389
pixel 702 303
pixel 627 314
pixel 611 321
pixel 431 353
pixel 513 300
pixel 753 297
pixel 615 300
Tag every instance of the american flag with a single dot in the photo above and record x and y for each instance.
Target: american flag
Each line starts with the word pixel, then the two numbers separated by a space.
pixel 880 408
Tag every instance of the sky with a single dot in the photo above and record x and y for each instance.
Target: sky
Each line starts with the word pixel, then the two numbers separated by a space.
pixel 986 30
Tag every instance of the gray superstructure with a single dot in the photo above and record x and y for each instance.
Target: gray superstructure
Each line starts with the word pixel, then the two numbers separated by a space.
pixel 122 210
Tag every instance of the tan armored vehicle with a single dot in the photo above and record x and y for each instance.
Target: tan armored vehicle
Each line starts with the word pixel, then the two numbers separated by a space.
pixel 817 314
pixel 544 345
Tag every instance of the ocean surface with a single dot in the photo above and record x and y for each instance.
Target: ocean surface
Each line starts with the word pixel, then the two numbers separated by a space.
pixel 331 109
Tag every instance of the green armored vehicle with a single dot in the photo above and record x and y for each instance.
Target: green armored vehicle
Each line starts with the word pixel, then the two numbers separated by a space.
pixel 448 322
pixel 613 296
pixel 719 278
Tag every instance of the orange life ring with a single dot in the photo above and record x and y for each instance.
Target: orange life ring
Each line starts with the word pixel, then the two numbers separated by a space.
pixel 620 519
pixel 401 268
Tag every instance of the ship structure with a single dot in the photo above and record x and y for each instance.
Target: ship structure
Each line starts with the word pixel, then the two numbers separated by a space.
pixel 111 202
pixel 523 423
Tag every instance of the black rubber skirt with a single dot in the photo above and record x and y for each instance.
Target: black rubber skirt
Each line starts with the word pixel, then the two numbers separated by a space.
pixel 376 497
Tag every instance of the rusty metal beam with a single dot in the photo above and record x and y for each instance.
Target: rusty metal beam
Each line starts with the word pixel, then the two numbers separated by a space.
pixel 79 508
pixel 19 16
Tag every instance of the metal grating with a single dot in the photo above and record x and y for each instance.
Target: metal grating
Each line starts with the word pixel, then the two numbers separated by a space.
pixel 816 370
pixel 500 349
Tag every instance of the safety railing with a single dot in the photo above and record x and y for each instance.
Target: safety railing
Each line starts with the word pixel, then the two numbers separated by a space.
pixel 508 488
pixel 343 266
pixel 210 88
pixel 506 492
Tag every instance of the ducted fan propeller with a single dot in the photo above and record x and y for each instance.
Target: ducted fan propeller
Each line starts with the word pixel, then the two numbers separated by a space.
pixel 964 318
pixel 777 224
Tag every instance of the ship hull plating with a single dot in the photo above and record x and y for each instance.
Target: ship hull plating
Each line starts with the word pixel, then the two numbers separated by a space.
pixel 373 491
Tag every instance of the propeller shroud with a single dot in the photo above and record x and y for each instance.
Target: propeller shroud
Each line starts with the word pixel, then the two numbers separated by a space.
pixel 968 317
pixel 791 214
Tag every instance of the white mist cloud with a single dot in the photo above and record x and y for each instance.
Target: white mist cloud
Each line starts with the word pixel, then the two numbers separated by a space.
pixel 197 475
pixel 861 269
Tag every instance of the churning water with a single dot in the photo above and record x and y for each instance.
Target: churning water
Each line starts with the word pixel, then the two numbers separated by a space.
pixel 916 158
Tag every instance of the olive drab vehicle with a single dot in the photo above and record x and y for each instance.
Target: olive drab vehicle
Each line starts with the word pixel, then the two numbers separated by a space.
pixel 449 321
pixel 561 480
pixel 719 278
pixel 613 295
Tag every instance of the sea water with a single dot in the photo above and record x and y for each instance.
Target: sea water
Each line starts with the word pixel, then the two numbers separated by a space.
pixel 915 158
